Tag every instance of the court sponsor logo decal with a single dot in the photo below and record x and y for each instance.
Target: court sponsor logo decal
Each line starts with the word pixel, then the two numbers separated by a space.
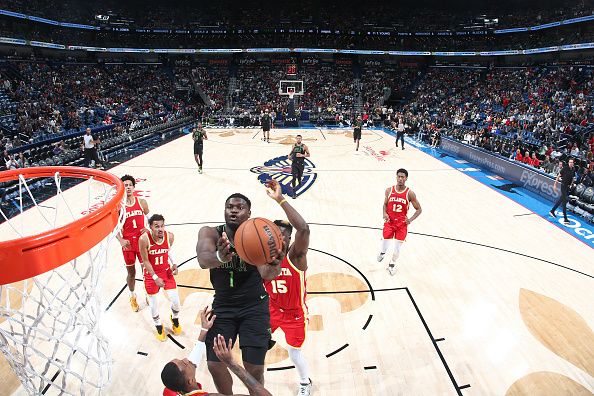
pixel 375 154
pixel 279 169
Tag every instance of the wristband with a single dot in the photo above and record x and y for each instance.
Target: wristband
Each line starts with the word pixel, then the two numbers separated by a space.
pixel 155 277
pixel 219 258
pixel 282 202
pixel 203 329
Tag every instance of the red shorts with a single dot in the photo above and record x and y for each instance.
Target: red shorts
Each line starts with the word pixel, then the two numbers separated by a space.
pixel 150 285
pixel 293 323
pixel 132 253
pixel 395 229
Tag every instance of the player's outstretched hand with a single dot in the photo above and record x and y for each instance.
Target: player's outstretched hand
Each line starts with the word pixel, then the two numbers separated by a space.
pixel 274 191
pixel 224 248
pixel 222 350
pixel 207 318
pixel 278 256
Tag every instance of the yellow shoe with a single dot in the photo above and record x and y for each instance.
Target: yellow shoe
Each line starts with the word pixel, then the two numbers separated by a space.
pixel 134 304
pixel 161 334
pixel 175 326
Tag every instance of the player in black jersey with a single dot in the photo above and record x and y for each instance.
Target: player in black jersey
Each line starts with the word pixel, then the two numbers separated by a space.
pixel 357 127
pixel 199 135
pixel 298 153
pixel 266 121
pixel 240 301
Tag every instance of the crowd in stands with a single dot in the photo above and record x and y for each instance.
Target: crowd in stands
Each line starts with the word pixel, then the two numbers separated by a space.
pixel 533 115
pixel 257 88
pixel 330 91
pixel 564 35
pixel 214 82
pixel 53 98
pixel 331 25
pixel 304 14
pixel 40 100
pixel 377 83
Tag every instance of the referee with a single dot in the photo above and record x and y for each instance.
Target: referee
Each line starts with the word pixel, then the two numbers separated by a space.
pixel 90 149
pixel 566 176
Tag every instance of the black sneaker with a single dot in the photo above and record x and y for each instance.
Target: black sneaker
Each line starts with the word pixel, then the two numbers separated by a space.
pixel 552 214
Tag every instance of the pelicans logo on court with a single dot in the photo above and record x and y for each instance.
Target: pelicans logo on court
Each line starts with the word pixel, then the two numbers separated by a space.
pixel 279 169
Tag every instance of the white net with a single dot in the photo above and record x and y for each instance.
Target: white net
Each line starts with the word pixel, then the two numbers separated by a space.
pixel 49 330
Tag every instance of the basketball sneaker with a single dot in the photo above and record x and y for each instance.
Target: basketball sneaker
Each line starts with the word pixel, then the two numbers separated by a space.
pixel 134 304
pixel 175 325
pixel 200 170
pixel 391 269
pixel 552 214
pixel 380 257
pixel 305 389
pixel 161 334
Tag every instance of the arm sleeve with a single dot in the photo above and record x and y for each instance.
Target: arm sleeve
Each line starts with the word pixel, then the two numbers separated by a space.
pixel 197 353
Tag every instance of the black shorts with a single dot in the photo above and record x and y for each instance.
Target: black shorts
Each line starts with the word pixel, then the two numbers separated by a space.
pixel 357 134
pixel 198 147
pixel 266 128
pixel 297 170
pixel 251 324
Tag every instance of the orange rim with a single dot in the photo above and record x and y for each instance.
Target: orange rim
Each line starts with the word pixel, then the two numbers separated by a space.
pixel 30 256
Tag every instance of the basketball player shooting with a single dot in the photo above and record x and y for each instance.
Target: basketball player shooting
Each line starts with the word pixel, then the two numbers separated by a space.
pixel 240 301
pixel 396 202
pixel 287 291
pixel 134 226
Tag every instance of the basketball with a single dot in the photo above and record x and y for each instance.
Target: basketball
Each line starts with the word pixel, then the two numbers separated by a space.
pixel 257 241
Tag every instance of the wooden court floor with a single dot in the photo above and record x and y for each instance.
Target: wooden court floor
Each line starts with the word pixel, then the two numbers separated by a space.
pixel 483 303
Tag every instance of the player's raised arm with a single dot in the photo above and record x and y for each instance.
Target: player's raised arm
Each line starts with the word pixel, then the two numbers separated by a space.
pixel 298 251
pixel 212 251
pixel 223 352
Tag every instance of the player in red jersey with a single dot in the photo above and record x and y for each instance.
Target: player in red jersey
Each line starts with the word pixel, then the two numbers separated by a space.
pixel 287 291
pixel 134 226
pixel 395 211
pixel 179 376
pixel 159 268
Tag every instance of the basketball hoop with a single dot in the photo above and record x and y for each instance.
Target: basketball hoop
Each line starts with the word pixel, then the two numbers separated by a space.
pixel 50 274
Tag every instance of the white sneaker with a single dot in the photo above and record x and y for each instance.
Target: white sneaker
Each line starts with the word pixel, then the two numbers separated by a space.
pixel 380 257
pixel 304 389
pixel 391 269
